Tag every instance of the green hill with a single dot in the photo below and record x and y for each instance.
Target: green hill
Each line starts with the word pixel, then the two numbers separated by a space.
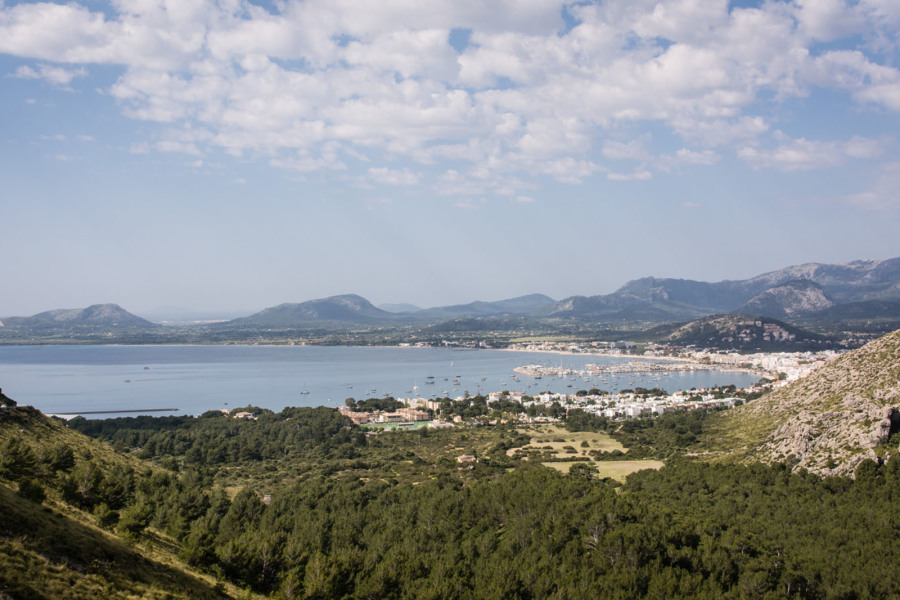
pixel 64 497
pixel 745 333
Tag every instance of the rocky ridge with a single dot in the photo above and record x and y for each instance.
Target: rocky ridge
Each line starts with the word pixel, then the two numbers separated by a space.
pixel 793 298
pixel 841 414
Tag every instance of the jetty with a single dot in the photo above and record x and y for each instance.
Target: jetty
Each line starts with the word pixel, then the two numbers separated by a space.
pixel 113 411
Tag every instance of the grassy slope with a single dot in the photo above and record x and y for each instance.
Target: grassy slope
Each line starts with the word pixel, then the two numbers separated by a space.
pixel 47 554
pixel 55 551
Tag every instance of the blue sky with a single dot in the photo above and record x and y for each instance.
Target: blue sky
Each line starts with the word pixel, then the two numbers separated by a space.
pixel 233 155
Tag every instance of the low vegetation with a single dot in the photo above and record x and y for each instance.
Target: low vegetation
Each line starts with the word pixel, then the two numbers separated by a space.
pixel 302 504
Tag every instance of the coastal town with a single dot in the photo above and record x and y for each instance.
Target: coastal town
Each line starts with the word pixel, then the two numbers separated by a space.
pixel 660 358
pixel 549 408
pixel 775 370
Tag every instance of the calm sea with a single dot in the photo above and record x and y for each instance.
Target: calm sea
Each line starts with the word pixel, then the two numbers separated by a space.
pixel 194 379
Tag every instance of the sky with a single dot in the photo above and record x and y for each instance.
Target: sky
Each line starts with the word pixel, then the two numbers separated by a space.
pixel 230 155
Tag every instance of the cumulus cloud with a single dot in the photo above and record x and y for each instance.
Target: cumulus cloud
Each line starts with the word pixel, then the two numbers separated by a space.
pixel 802 154
pixel 57 76
pixel 318 84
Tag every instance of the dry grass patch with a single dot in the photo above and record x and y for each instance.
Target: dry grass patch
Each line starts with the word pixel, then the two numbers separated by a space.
pixel 620 469
pixel 544 436
pixel 614 469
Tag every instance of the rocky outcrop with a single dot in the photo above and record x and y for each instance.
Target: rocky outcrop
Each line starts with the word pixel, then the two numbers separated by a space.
pixel 833 419
pixel 836 441
pixel 792 299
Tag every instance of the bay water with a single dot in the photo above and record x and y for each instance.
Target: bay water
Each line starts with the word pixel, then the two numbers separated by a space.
pixel 194 379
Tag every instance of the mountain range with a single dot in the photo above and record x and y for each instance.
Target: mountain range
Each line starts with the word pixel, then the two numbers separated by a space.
pixel 860 290
pixel 869 287
pixel 802 289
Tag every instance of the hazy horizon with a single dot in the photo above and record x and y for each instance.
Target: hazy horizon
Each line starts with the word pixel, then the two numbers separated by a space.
pixel 224 157
pixel 180 313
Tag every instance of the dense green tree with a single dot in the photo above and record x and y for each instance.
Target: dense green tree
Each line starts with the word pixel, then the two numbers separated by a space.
pixel 17 459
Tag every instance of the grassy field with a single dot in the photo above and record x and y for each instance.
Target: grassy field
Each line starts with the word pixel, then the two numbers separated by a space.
pixel 556 440
pixel 614 469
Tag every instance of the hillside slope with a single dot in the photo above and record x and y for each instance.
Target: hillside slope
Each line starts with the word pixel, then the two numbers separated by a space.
pixel 61 496
pixel 829 422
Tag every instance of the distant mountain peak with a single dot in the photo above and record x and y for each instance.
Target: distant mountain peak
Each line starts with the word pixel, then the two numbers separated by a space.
pixel 793 298
pixel 97 318
pixel 400 307
pixel 344 308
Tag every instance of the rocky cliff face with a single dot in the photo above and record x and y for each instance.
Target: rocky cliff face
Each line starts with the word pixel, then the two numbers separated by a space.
pixel 794 298
pixel 832 420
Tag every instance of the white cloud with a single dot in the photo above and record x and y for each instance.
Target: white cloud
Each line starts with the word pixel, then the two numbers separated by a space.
pixel 633 150
pixel 802 154
pixel 867 82
pixel 393 176
pixel 888 95
pixel 685 156
pixel 827 20
pixel 639 175
pixel 454 183
pixel 690 157
pixel 321 81
pixel 860 147
pixel 569 170
pixel 57 76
